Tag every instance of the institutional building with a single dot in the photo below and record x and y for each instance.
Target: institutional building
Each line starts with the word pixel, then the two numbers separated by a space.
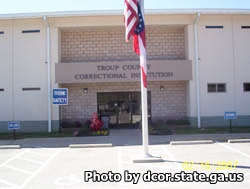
pixel 198 67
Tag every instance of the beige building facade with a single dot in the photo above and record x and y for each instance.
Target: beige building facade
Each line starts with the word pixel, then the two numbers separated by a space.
pixel 88 55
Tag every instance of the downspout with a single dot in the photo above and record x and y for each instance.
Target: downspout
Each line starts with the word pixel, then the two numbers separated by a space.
pixel 49 71
pixel 197 73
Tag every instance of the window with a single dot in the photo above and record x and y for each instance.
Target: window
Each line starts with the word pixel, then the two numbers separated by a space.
pixel 211 88
pixel 221 87
pixel 214 27
pixel 121 107
pixel 216 87
pixel 31 31
pixel 246 87
pixel 32 89
pixel 245 27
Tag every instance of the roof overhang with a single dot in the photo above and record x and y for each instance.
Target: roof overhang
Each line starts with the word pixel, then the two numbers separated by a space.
pixel 120 12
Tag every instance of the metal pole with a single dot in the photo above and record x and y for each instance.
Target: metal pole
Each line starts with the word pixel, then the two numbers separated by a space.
pixel 49 73
pixel 230 122
pixel 144 99
pixel 144 105
pixel 197 73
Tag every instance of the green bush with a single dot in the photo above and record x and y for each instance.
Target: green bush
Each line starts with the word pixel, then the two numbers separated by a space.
pixel 159 128
pixel 178 122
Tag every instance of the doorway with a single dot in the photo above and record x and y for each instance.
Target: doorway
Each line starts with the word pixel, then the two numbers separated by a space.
pixel 122 108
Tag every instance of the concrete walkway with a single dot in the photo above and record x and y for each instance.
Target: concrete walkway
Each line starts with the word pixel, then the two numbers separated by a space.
pixel 120 137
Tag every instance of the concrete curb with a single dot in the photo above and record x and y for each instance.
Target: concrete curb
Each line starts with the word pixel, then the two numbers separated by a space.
pixel 10 147
pixel 238 140
pixel 90 145
pixel 147 159
pixel 191 142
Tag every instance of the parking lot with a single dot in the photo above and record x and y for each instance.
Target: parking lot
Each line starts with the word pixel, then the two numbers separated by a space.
pixel 63 167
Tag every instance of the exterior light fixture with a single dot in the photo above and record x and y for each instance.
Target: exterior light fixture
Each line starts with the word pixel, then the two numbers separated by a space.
pixel 85 90
pixel 161 88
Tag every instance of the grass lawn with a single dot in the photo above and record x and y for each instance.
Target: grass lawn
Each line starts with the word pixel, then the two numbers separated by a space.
pixel 7 136
pixel 160 129
pixel 184 129
pixel 20 135
pixel 218 130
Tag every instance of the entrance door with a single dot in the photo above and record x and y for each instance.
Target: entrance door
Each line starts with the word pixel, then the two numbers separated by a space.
pixel 122 108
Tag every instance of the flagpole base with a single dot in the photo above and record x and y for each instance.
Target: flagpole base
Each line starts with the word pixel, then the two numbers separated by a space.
pixel 147 158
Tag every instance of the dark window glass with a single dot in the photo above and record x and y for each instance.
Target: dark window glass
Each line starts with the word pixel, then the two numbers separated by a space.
pixel 245 27
pixel 32 89
pixel 214 27
pixel 221 87
pixel 121 107
pixel 246 87
pixel 216 87
pixel 211 88
pixel 31 31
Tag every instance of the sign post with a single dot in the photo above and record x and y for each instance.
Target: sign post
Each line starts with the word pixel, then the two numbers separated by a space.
pixel 60 97
pixel 14 125
pixel 230 116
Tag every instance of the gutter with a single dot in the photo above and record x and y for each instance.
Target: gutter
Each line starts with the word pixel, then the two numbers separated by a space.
pixel 197 73
pixel 49 71
pixel 118 12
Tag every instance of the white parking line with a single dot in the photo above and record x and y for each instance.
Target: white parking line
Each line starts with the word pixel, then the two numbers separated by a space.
pixel 9 184
pixel 17 169
pixel 14 157
pixel 40 168
pixel 30 160
pixel 233 149
pixel 31 175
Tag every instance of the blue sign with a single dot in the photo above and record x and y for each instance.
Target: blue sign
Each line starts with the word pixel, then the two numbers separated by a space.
pixel 60 96
pixel 13 125
pixel 230 115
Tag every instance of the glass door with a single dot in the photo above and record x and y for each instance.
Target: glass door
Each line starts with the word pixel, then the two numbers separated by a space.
pixel 122 108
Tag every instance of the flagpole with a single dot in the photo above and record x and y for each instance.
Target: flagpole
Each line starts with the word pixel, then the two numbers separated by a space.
pixel 144 98
pixel 134 25
pixel 144 105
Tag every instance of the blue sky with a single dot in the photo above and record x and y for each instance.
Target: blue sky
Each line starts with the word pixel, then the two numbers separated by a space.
pixel 37 6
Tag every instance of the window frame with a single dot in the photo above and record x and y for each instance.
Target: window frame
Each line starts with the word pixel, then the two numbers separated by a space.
pixel 216 88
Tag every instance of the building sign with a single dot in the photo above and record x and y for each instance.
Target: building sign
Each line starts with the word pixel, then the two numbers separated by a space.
pixel 60 96
pixel 13 125
pixel 230 115
pixel 166 70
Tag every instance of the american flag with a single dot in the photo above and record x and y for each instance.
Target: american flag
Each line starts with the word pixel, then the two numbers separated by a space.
pixel 134 24
pixel 130 17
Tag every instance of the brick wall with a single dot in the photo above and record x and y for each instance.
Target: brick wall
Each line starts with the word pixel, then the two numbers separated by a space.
pixel 171 102
pixel 108 44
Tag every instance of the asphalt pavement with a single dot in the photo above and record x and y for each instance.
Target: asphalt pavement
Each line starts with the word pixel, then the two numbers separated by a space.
pixel 51 163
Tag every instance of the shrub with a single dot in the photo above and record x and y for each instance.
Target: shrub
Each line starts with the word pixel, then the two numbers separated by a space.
pixel 67 124
pixel 178 122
